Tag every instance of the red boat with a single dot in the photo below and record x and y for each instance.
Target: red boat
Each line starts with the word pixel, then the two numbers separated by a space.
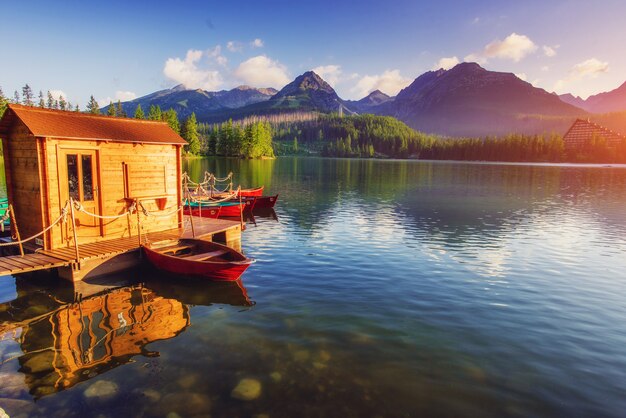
pixel 252 192
pixel 204 211
pixel 265 202
pixel 194 257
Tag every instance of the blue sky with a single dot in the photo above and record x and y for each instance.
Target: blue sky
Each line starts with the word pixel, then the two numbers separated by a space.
pixel 128 49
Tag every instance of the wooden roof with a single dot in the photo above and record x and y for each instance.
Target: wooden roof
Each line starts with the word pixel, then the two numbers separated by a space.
pixel 84 126
pixel 584 131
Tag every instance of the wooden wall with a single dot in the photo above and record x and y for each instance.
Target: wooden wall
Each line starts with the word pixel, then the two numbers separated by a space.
pixel 153 172
pixel 21 160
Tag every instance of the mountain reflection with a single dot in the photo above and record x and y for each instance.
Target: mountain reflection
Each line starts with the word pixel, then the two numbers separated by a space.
pixel 68 335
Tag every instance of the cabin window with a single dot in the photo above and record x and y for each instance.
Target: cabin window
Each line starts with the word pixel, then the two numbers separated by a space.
pixel 87 178
pixel 72 175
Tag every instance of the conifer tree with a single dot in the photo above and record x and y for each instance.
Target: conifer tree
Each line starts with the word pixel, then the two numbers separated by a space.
pixel 62 103
pixel 42 104
pixel 92 106
pixel 16 97
pixel 111 110
pixel 3 102
pixel 56 104
pixel 139 112
pixel 190 134
pixel 121 113
pixel 171 117
pixel 27 96
pixel 77 109
pixel 155 113
pixel 50 101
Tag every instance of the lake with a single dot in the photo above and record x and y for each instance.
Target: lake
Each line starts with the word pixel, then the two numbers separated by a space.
pixel 381 289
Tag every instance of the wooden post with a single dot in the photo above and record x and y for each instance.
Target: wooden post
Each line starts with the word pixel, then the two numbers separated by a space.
pixel 17 231
pixel 193 231
pixel 240 207
pixel 74 230
pixel 138 222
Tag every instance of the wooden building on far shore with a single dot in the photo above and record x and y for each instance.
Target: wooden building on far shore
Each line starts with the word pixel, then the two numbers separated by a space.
pixel 584 133
pixel 105 163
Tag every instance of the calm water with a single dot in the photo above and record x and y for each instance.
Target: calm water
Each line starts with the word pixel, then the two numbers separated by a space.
pixel 383 289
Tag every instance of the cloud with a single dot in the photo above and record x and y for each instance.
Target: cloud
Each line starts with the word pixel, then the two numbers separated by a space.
pixel 234 46
pixel 446 63
pixel 389 82
pixel 125 96
pixel 590 68
pixel 261 71
pixel 257 43
pixel 186 71
pixel 549 51
pixel 330 73
pixel 545 68
pixel 514 47
pixel 216 54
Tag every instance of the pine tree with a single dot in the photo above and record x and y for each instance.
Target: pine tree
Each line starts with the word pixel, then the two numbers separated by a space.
pixel 92 106
pixel 139 112
pixel 190 133
pixel 171 117
pixel 111 110
pixel 62 103
pixel 155 113
pixel 121 113
pixel 3 102
pixel 27 96
pixel 16 97
pixel 42 104
pixel 77 109
pixel 56 104
pixel 50 101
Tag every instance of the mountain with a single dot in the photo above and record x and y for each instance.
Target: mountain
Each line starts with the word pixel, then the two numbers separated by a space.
pixel 468 100
pixel 611 101
pixel 365 105
pixel 185 101
pixel 573 100
pixel 307 93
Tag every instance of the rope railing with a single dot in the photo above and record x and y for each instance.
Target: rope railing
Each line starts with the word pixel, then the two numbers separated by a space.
pixel 62 217
pixel 79 207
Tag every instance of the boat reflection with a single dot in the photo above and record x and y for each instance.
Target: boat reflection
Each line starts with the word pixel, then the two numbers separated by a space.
pixel 262 213
pixel 71 335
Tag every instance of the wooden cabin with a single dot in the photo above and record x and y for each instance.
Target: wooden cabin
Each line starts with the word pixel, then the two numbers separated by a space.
pixel 583 133
pixel 105 163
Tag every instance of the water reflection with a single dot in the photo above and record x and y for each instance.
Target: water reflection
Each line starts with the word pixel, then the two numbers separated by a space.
pixel 68 334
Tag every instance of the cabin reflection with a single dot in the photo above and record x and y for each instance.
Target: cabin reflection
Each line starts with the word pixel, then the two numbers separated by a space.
pixel 71 335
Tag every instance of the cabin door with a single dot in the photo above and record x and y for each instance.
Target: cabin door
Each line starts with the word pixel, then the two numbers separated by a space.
pixel 79 180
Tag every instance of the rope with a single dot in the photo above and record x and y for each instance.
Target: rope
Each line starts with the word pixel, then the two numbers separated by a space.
pixel 188 180
pixel 228 187
pixel 62 217
pixel 79 207
pixel 222 180
pixel 160 215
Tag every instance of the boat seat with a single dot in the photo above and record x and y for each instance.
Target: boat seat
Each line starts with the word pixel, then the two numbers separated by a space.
pixel 173 249
pixel 204 256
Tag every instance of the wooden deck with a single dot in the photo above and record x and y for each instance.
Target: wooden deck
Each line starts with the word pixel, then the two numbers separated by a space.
pixel 61 257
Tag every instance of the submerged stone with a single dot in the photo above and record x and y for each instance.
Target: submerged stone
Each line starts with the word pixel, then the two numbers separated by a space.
pixel 102 389
pixel 3 414
pixel 185 403
pixel 247 390
pixel 276 376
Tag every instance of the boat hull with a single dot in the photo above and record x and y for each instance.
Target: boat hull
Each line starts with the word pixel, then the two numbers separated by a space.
pixel 213 270
pixel 252 192
pixel 265 202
